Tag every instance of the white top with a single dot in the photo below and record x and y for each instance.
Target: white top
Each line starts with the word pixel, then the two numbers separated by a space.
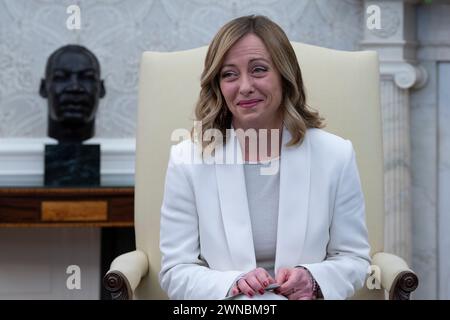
pixel 263 196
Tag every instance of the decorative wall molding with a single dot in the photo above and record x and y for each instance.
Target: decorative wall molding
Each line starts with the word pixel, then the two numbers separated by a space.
pixel 22 161
pixel 397 169
pixel 391 21
pixel 405 75
pixel 396 39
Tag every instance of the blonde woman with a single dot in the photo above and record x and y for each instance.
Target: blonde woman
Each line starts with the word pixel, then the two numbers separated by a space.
pixel 234 228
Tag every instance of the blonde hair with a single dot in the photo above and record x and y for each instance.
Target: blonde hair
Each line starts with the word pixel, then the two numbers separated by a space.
pixel 211 108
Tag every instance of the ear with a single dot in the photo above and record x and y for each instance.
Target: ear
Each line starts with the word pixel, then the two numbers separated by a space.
pixel 43 89
pixel 102 89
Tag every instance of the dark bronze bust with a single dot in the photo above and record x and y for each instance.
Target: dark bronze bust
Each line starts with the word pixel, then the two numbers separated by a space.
pixel 73 87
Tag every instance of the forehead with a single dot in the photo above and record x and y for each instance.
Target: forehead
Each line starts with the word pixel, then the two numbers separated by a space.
pixel 249 46
pixel 75 61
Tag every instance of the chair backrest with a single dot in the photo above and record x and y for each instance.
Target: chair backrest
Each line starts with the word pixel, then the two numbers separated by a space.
pixel 343 86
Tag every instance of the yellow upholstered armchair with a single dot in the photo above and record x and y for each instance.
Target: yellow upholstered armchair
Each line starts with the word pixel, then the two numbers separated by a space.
pixel 343 86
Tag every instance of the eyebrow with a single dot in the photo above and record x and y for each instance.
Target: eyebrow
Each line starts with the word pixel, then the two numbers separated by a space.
pixel 70 70
pixel 251 60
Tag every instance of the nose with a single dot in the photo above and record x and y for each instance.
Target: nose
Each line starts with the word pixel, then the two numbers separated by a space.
pixel 246 85
pixel 75 83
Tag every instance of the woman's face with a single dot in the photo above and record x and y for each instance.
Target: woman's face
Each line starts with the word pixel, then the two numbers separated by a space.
pixel 251 85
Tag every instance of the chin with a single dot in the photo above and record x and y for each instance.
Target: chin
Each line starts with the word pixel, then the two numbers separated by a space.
pixel 79 120
pixel 249 118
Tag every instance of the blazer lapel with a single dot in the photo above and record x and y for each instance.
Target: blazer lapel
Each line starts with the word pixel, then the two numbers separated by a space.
pixel 293 202
pixel 234 206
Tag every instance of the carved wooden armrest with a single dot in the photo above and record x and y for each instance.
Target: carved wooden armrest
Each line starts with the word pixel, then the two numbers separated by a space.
pixel 396 277
pixel 117 285
pixel 405 283
pixel 125 274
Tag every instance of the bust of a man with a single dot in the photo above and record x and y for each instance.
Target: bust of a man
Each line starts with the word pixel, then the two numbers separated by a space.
pixel 73 88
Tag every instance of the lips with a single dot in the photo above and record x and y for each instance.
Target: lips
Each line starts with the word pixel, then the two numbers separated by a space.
pixel 248 103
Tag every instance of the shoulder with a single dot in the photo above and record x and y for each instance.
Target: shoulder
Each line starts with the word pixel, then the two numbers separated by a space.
pixel 325 144
pixel 325 139
pixel 184 152
pixel 183 146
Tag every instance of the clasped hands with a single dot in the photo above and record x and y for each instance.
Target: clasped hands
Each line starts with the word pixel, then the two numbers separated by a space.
pixel 295 283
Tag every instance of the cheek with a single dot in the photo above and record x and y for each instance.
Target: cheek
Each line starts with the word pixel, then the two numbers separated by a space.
pixel 228 92
pixel 276 91
pixel 278 95
pixel 90 86
pixel 57 88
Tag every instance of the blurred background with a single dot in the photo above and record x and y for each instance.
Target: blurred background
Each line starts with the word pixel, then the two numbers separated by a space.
pixel 413 42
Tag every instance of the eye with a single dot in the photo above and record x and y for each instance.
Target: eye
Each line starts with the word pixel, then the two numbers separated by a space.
pixel 59 75
pixel 89 75
pixel 259 69
pixel 228 74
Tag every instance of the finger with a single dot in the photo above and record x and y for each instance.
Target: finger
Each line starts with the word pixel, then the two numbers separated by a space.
pixel 298 278
pixel 264 278
pixel 245 288
pixel 272 280
pixel 293 283
pixel 300 295
pixel 255 284
pixel 234 290
pixel 290 283
pixel 281 276
pixel 286 290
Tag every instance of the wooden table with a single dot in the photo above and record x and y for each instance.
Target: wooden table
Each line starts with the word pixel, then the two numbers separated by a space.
pixel 67 207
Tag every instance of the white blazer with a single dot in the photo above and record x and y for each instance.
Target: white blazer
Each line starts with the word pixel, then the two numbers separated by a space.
pixel 205 234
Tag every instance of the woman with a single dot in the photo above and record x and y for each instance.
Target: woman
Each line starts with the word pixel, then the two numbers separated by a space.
pixel 231 229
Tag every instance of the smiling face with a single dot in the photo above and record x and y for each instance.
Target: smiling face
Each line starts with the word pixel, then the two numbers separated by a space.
pixel 73 87
pixel 251 85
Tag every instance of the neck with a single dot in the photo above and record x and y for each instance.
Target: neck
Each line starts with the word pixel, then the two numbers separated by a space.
pixel 63 133
pixel 260 144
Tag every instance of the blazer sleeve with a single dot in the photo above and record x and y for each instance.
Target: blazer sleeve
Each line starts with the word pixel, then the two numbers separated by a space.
pixel 347 259
pixel 184 274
